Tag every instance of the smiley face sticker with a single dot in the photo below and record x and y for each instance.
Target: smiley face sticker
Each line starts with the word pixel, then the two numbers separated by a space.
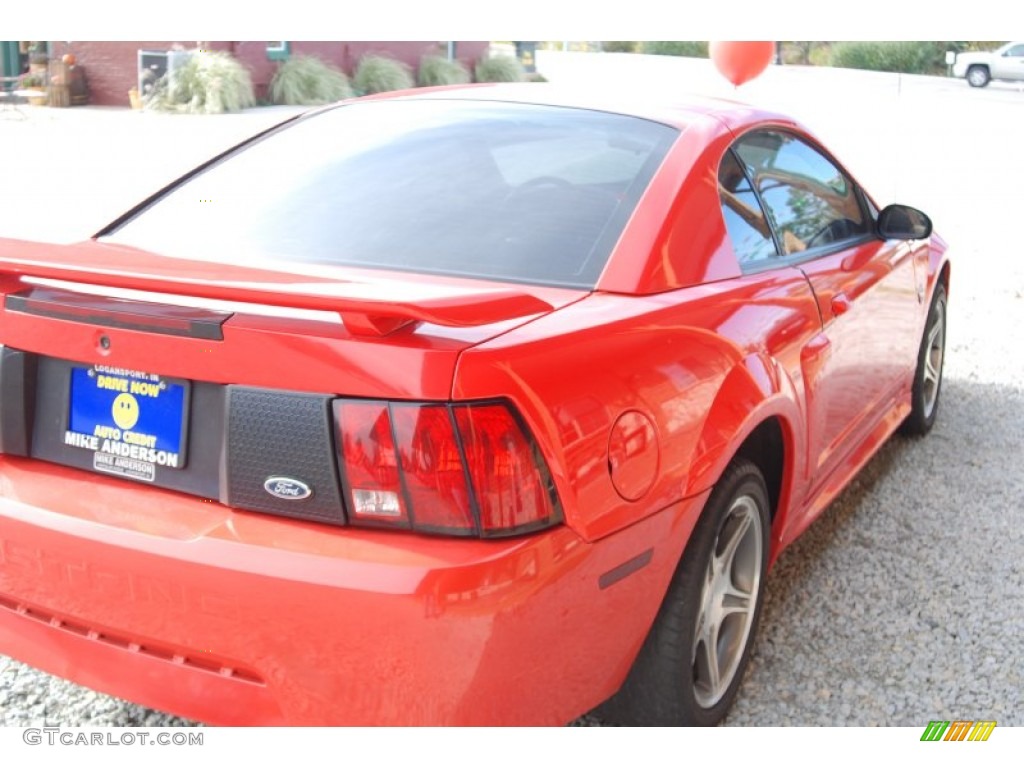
pixel 125 410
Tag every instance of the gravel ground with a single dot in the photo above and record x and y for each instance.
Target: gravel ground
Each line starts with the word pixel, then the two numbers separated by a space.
pixel 902 603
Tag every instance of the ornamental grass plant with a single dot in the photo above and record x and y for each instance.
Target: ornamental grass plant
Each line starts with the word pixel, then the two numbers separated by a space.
pixel 500 69
pixel 306 80
pixel 379 74
pixel 438 70
pixel 209 82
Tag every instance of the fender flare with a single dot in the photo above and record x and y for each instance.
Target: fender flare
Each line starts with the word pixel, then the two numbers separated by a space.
pixel 756 390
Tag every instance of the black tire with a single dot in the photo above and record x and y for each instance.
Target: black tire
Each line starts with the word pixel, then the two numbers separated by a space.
pixel 928 376
pixel 978 76
pixel 670 683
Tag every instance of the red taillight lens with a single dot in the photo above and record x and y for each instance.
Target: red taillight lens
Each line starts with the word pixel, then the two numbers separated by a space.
pixel 512 491
pixel 463 469
pixel 435 477
pixel 371 464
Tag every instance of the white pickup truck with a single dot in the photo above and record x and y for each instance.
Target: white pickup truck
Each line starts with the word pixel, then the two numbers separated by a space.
pixel 979 67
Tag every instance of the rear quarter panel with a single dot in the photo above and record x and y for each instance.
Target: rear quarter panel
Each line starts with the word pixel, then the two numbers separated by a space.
pixel 703 364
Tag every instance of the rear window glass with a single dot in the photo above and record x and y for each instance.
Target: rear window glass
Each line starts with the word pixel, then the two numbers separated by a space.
pixel 511 192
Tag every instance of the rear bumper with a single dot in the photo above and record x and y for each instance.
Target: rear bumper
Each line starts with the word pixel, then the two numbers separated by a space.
pixel 235 618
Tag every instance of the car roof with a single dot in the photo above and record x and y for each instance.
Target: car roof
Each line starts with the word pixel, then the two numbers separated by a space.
pixel 678 110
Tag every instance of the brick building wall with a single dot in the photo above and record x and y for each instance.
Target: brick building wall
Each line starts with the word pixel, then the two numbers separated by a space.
pixel 111 67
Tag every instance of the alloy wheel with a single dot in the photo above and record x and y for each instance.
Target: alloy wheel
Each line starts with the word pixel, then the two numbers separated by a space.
pixel 729 599
pixel 936 342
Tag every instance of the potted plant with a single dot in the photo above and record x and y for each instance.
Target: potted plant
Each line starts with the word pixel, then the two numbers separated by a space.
pixel 34 82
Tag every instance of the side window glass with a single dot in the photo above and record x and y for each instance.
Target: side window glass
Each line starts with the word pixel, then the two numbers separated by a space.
pixel 1017 50
pixel 744 220
pixel 809 201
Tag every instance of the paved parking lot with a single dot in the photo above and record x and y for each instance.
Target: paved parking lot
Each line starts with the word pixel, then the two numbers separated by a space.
pixel 903 603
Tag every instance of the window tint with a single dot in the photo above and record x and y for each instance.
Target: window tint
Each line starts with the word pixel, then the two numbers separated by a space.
pixel 809 201
pixel 751 238
pixel 478 189
pixel 1017 50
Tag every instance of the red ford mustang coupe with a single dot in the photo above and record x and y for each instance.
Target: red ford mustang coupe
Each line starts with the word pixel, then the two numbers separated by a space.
pixel 487 405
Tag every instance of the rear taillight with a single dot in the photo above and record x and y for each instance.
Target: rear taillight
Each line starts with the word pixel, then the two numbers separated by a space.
pixel 465 470
pixel 511 492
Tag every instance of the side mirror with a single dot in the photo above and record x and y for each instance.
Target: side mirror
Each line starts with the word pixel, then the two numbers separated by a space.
pixel 901 222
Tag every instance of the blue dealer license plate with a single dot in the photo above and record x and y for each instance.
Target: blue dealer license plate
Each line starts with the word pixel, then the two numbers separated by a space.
pixel 133 421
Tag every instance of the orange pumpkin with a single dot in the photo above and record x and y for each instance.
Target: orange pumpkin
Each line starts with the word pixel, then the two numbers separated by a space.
pixel 69 59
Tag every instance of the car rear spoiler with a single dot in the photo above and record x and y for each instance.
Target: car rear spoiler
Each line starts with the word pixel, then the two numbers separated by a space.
pixel 367 306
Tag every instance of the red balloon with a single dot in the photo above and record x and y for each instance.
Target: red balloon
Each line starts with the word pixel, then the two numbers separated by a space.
pixel 741 60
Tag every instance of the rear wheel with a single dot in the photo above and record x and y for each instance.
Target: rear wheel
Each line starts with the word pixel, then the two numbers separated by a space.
pixel 978 76
pixel 692 662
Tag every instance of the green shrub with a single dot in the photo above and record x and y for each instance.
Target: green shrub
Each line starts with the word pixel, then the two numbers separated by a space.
pixel 210 82
pixel 500 69
pixel 377 74
pixel 821 54
pixel 620 46
pixel 900 56
pixel 437 70
pixel 535 77
pixel 697 49
pixel 797 51
pixel 308 80
pixel 960 46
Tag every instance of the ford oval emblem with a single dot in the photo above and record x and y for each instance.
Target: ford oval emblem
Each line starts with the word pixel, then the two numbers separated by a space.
pixel 287 488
